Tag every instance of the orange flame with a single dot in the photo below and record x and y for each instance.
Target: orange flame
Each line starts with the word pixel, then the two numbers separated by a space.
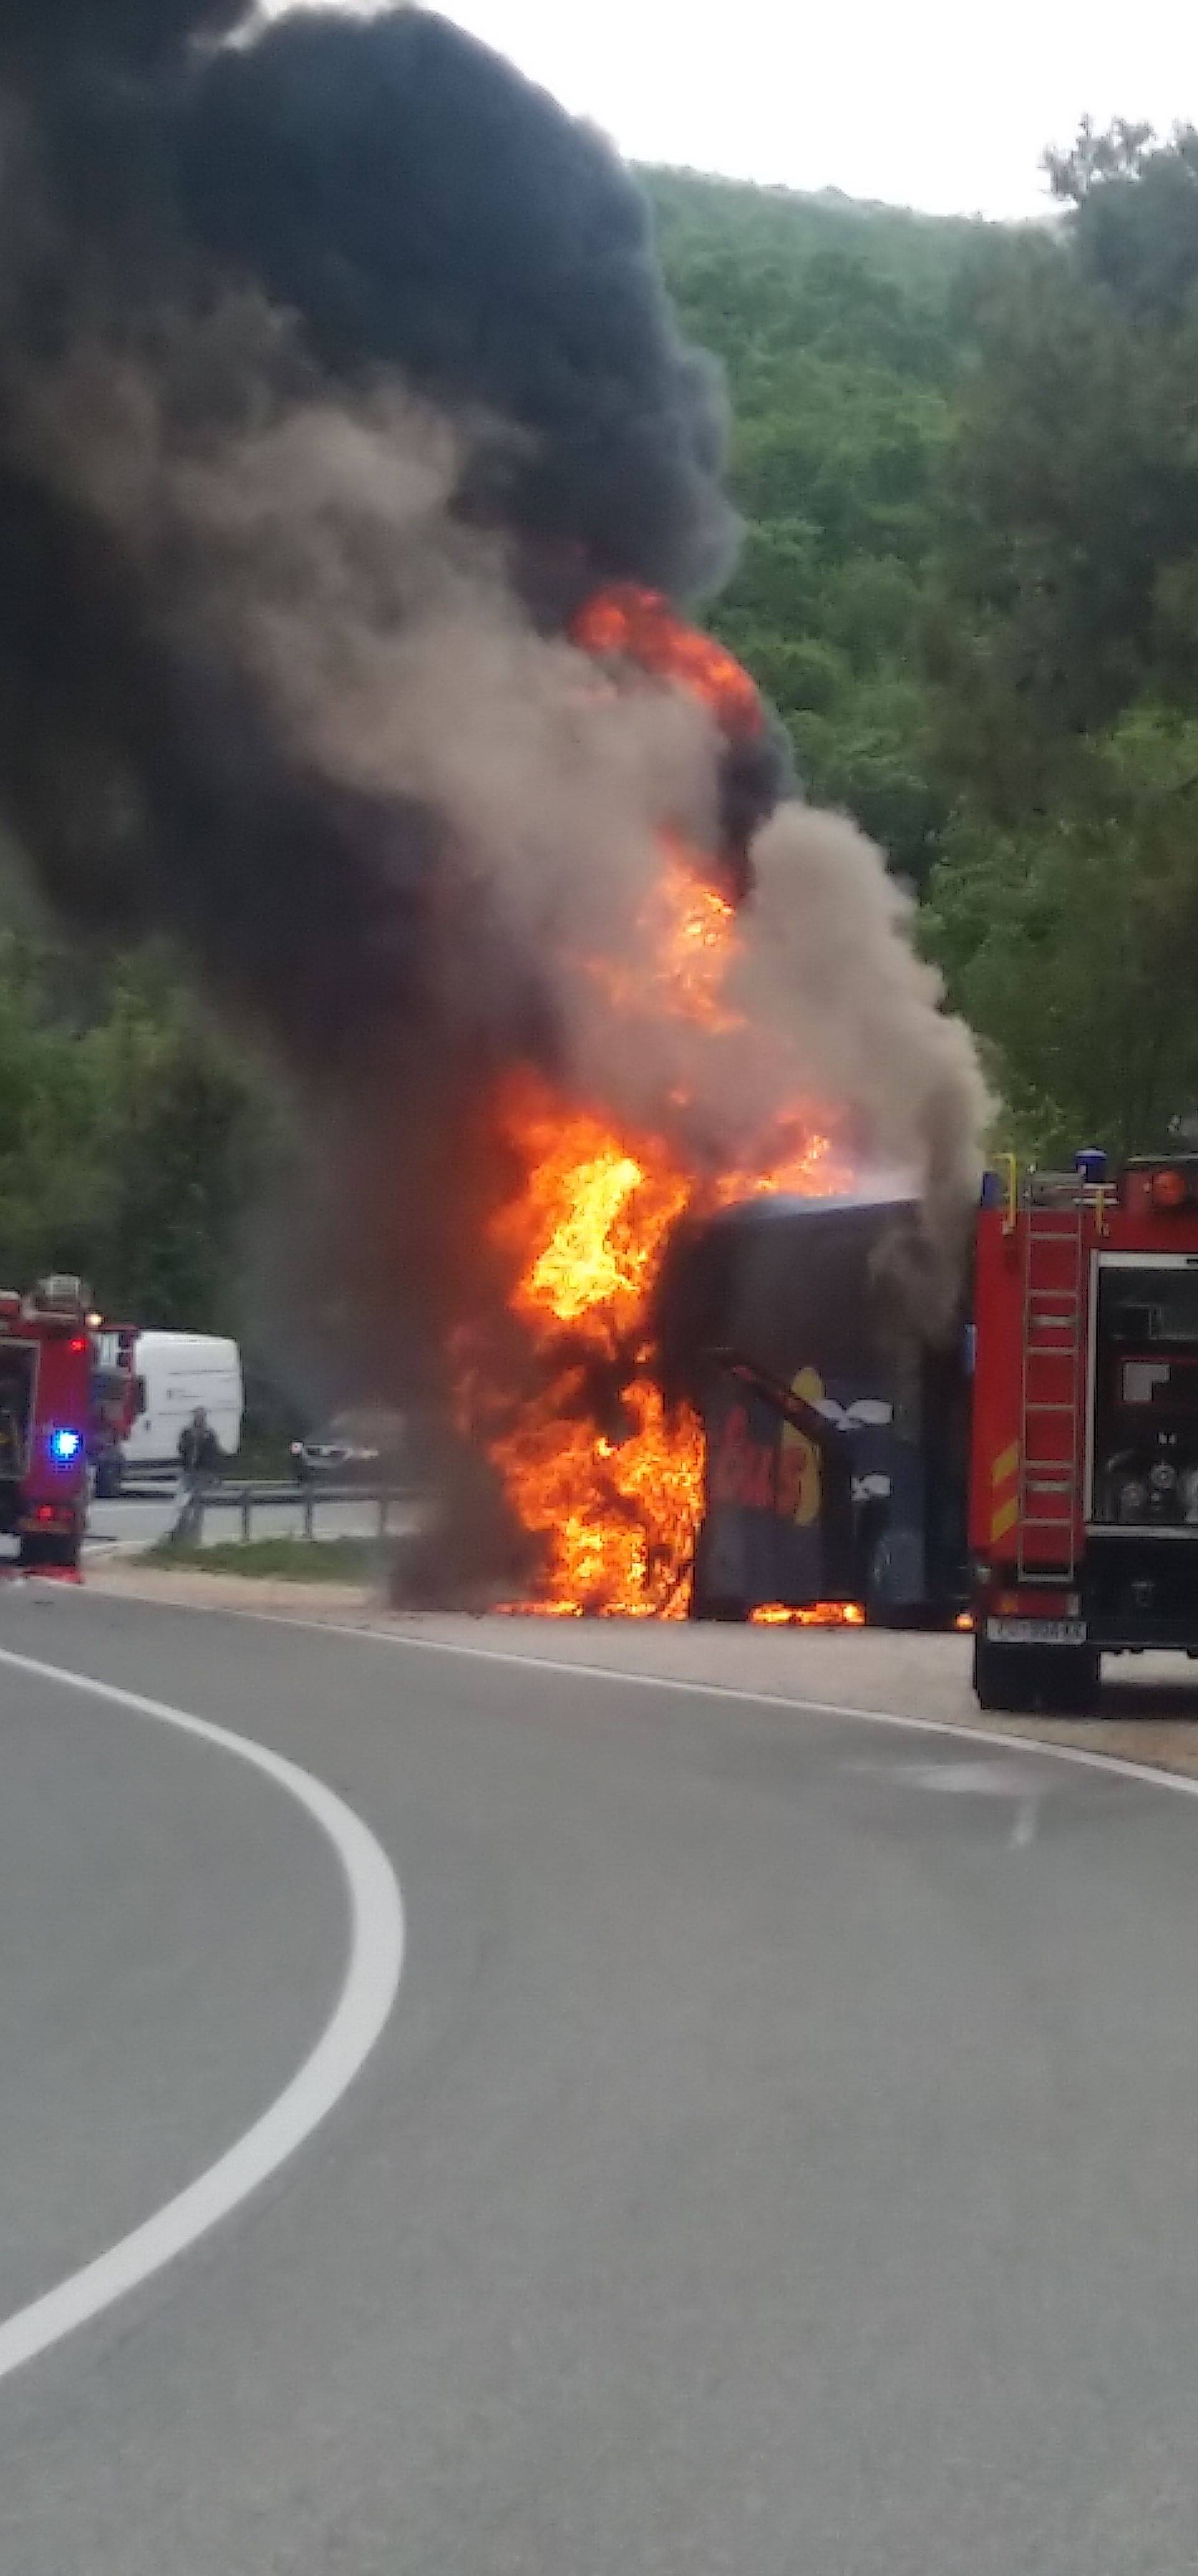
pixel 687 928
pixel 817 1614
pixel 608 1484
pixel 613 1502
pixel 629 624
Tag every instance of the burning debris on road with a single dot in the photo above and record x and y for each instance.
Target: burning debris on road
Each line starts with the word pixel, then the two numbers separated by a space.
pixel 351 471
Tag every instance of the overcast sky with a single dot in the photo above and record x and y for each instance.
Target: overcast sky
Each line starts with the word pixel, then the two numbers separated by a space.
pixel 938 103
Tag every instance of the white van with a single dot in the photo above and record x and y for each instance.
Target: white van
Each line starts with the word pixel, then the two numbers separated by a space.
pixel 177 1373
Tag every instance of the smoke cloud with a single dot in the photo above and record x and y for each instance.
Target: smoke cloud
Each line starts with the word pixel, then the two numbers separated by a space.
pixel 336 369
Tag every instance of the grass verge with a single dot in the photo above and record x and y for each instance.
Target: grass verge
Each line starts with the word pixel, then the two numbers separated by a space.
pixel 290 1560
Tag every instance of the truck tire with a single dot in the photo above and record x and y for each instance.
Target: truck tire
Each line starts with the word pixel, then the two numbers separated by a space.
pixel 1071 1681
pixel 59 1550
pixel 1056 1681
pixel 109 1478
pixel 714 1600
pixel 718 1606
pixel 931 1617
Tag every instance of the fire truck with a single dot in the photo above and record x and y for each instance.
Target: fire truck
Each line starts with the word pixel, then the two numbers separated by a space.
pixel 1037 1466
pixel 1083 1520
pixel 45 1394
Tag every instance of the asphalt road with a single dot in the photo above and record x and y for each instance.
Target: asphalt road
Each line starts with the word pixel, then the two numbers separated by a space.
pixel 779 2161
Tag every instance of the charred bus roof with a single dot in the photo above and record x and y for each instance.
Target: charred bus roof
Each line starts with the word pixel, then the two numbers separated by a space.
pixel 778 1280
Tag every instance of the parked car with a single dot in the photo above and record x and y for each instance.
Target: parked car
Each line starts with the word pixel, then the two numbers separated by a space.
pixel 356 1448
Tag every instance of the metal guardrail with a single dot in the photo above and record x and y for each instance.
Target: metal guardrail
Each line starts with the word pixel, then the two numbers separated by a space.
pixel 246 1499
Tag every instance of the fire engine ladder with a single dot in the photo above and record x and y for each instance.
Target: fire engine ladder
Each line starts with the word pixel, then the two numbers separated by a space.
pixel 1054 1337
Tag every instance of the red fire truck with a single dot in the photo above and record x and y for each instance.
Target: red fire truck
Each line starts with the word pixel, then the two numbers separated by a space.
pixel 45 1392
pixel 1084 1478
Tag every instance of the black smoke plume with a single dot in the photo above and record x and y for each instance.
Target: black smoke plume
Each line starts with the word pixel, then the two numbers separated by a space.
pixel 336 369
pixel 344 235
pixel 426 210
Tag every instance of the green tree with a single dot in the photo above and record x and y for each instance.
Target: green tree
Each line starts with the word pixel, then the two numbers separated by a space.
pixel 134 1137
pixel 834 323
pixel 1062 635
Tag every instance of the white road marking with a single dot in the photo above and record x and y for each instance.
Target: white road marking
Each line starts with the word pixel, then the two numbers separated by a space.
pixel 960 1779
pixel 1027 1817
pixel 1025 1788
pixel 372 1977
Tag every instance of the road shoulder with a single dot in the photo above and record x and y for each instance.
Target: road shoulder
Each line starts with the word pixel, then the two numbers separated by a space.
pixel 1150 1702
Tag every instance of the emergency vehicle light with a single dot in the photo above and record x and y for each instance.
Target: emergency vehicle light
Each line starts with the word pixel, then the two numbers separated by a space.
pixel 60 1294
pixel 1170 1188
pixel 65 1445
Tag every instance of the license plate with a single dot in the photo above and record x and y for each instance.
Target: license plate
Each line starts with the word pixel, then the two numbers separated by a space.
pixel 1037 1632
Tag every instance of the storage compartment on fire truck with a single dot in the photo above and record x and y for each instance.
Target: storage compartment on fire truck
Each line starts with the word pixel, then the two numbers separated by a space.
pixel 17 1367
pixel 1084 1506
pixel 1145 1435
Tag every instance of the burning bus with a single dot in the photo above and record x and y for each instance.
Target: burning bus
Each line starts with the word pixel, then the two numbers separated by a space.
pixel 836 1433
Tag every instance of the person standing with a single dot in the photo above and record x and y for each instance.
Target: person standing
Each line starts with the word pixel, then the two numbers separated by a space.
pixel 200 1461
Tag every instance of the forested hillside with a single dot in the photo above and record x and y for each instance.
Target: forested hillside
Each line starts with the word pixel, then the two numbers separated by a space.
pixel 968 465
pixel 840 333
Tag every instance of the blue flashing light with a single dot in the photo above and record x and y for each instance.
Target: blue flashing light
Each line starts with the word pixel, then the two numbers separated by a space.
pixel 1091 1165
pixel 64 1446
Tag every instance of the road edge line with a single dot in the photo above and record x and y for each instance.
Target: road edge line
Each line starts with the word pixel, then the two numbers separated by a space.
pixel 1155 1774
pixel 1083 1755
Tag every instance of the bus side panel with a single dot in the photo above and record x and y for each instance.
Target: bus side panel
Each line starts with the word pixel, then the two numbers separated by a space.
pixel 763 1537
pixel 799 1294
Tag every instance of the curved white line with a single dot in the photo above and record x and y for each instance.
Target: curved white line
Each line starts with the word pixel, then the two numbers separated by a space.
pixel 371 1979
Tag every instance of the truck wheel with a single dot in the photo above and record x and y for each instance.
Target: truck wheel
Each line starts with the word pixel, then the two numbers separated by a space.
pixel 718 1606
pixel 109 1477
pixel 1070 1682
pixel 58 1550
pixel 880 1610
pixel 1058 1681
pixel 713 1601
pixel 1004 1676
